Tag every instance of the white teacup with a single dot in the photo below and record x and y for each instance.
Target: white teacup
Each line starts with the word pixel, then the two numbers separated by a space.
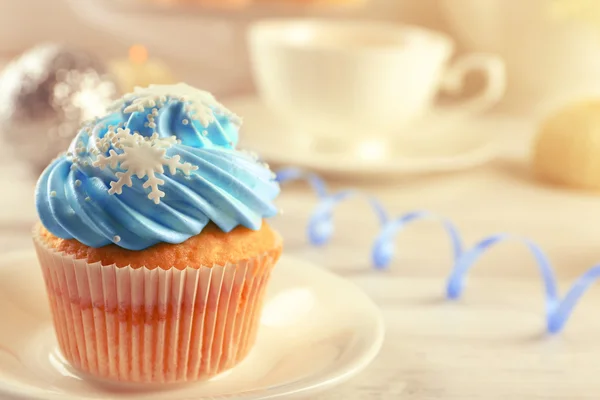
pixel 361 78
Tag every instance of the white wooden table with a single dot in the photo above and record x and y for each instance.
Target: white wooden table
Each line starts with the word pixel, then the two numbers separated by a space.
pixel 491 344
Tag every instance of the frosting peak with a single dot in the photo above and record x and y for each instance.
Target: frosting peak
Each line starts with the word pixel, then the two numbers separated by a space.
pixel 159 168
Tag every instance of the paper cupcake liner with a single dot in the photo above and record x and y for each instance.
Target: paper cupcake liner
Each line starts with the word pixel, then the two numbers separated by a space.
pixel 154 325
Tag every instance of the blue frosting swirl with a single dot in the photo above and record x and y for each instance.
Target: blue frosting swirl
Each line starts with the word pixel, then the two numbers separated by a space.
pixel 211 182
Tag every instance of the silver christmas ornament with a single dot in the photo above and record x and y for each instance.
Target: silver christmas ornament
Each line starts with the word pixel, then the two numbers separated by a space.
pixel 45 95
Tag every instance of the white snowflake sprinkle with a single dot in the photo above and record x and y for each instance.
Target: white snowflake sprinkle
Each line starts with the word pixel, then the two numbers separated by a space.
pixel 202 105
pixel 142 157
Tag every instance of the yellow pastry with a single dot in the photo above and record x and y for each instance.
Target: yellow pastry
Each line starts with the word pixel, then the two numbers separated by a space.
pixel 567 148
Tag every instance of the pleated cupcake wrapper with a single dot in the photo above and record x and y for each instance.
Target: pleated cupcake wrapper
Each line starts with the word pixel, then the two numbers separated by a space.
pixel 154 325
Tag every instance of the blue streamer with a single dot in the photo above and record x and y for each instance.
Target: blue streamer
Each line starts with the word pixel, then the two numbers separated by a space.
pixel 321 227
pixel 383 247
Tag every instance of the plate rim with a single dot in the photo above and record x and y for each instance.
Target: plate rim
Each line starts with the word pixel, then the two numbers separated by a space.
pixel 287 389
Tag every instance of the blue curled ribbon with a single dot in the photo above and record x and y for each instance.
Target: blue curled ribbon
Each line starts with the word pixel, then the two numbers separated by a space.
pixel 320 230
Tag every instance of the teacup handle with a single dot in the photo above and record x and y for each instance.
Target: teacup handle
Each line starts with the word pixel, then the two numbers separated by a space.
pixel 495 72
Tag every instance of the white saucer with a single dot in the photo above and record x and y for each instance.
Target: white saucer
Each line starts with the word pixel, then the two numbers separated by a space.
pixel 317 330
pixel 439 143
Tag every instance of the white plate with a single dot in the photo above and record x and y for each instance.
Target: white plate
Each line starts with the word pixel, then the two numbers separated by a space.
pixel 317 331
pixel 439 143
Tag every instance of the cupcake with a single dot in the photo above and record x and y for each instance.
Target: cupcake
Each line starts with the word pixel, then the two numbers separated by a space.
pixel 153 241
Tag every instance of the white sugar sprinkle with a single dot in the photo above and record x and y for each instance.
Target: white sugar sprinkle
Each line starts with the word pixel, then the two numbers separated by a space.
pixel 185 122
pixel 53 193
pixel 77 183
pixel 116 238
pixel 88 198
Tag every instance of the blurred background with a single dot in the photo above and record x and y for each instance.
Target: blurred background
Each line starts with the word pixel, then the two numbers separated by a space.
pixel 542 41
pixel 363 90
pixel 109 28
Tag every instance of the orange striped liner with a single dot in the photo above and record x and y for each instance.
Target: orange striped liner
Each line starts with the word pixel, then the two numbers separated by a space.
pixel 154 325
